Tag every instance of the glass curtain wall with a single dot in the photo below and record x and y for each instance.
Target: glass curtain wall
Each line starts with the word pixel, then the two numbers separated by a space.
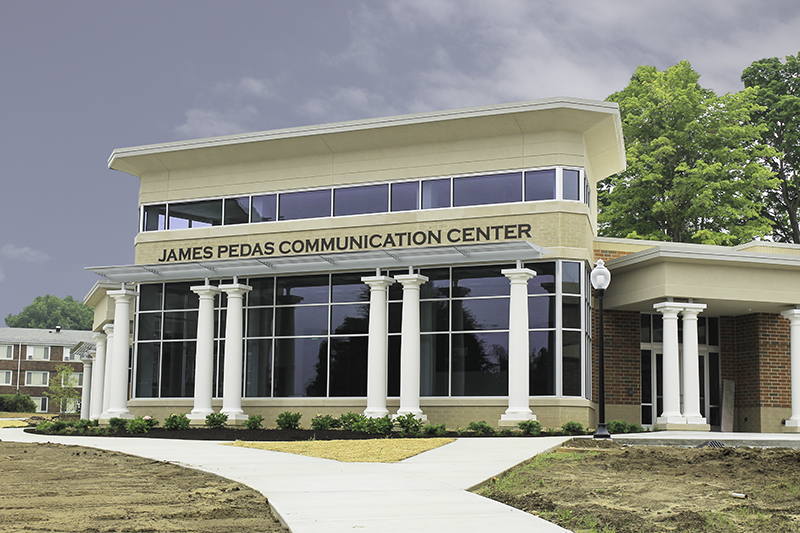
pixel 306 336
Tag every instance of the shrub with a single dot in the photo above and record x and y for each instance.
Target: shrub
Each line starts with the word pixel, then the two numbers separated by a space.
pixel 322 422
pixel 410 425
pixel 17 403
pixel 573 428
pixel 288 420
pixel 620 426
pixel 530 427
pixel 253 422
pixel 508 432
pixel 117 424
pixel 216 420
pixel 177 422
pixel 437 430
pixel 480 428
pixel 84 424
pixel 375 426
pixel 349 420
pixel 137 426
pixel 151 422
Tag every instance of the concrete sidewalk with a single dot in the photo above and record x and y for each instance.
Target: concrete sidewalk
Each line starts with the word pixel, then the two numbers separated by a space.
pixel 423 493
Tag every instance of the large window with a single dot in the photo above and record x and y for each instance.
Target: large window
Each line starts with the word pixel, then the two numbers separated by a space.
pixel 307 336
pixel 37 379
pixel 5 377
pixel 38 353
pixel 435 193
pixel 6 351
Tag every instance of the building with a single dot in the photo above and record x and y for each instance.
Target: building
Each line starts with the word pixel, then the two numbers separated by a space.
pixel 435 264
pixel 29 359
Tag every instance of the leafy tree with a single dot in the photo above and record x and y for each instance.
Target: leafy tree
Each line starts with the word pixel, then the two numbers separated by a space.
pixel 51 311
pixel 693 172
pixel 62 388
pixel 777 86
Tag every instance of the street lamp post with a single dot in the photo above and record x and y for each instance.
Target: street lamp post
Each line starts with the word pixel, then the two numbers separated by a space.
pixel 601 278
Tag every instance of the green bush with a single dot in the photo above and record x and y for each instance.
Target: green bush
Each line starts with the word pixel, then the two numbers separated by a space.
pixel 322 422
pixel 137 426
pixel 117 423
pixel 437 430
pixel 151 422
pixel 620 426
pixel 480 428
pixel 216 420
pixel 17 403
pixel 349 420
pixel 573 428
pixel 288 420
pixel 177 422
pixel 84 424
pixel 410 426
pixel 254 422
pixel 530 427
pixel 375 426
pixel 508 432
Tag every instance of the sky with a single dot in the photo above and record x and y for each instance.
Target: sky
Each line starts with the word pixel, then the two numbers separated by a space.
pixel 81 78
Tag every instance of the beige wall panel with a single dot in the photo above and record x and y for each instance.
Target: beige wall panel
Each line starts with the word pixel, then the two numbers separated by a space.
pixel 103 314
pixel 629 413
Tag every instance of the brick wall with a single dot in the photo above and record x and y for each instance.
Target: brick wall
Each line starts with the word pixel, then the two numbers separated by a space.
pixel 608 255
pixel 622 356
pixel 756 356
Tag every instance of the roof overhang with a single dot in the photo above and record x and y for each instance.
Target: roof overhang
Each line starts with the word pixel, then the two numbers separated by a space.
pixel 730 281
pixel 395 258
pixel 599 123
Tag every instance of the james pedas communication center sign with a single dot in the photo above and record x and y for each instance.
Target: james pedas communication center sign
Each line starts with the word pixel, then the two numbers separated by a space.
pixel 345 243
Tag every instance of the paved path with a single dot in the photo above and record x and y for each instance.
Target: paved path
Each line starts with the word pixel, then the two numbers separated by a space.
pixel 424 493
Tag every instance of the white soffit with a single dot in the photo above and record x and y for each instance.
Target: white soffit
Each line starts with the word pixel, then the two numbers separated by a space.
pixel 698 253
pixel 395 258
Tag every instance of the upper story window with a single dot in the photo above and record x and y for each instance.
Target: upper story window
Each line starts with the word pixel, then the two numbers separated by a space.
pixel 37 379
pixel 40 353
pixel 6 351
pixel 532 185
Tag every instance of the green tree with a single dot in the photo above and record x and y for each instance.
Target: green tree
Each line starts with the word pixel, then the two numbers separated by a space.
pixel 693 172
pixel 51 311
pixel 777 86
pixel 62 388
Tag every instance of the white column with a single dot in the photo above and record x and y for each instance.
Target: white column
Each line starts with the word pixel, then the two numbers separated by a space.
pixel 118 392
pixel 234 340
pixel 98 376
pixel 691 361
pixel 672 391
pixel 109 329
pixel 204 360
pixel 409 346
pixel 86 389
pixel 377 346
pixel 793 315
pixel 518 349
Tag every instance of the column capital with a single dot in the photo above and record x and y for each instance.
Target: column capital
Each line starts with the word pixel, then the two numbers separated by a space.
pixel 109 330
pixel 235 289
pixel 518 275
pixel 98 337
pixel 123 294
pixel 793 315
pixel 378 282
pixel 87 360
pixel 669 309
pixel 205 291
pixel 411 280
pixel 692 309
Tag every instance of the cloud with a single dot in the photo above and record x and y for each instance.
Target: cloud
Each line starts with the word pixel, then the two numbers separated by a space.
pixel 24 254
pixel 210 123
pixel 342 103
pixel 2 274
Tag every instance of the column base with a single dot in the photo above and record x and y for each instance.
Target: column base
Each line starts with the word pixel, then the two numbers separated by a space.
pixel 105 417
pixel 198 418
pixel 235 419
pixel 419 415
pixel 512 418
pixel 791 426
pixel 376 413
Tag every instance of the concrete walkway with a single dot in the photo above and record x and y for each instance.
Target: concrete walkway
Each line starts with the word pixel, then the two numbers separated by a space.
pixel 424 493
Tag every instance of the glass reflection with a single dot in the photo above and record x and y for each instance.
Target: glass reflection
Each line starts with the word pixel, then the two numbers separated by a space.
pixel 480 364
pixel 147 359
pixel 258 369
pixel 360 200
pixel 436 193
pixel 482 190
pixel 471 315
pixel 301 320
pixel 540 185
pixel 405 196
pixel 301 367
pixel 265 208
pixel 177 369
pixel 542 346
pixel 305 204
pixel 237 210
pixel 348 366
pixel 349 319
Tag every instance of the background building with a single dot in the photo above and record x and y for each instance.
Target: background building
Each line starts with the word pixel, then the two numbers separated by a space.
pixel 29 359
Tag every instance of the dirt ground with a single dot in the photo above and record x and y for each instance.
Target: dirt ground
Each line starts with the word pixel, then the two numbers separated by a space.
pixel 648 488
pixel 52 487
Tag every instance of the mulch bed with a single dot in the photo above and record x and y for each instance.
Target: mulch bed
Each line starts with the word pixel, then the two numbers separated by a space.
pixel 260 435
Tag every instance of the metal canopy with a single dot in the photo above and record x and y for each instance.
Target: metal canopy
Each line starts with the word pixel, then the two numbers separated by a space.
pixel 423 256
